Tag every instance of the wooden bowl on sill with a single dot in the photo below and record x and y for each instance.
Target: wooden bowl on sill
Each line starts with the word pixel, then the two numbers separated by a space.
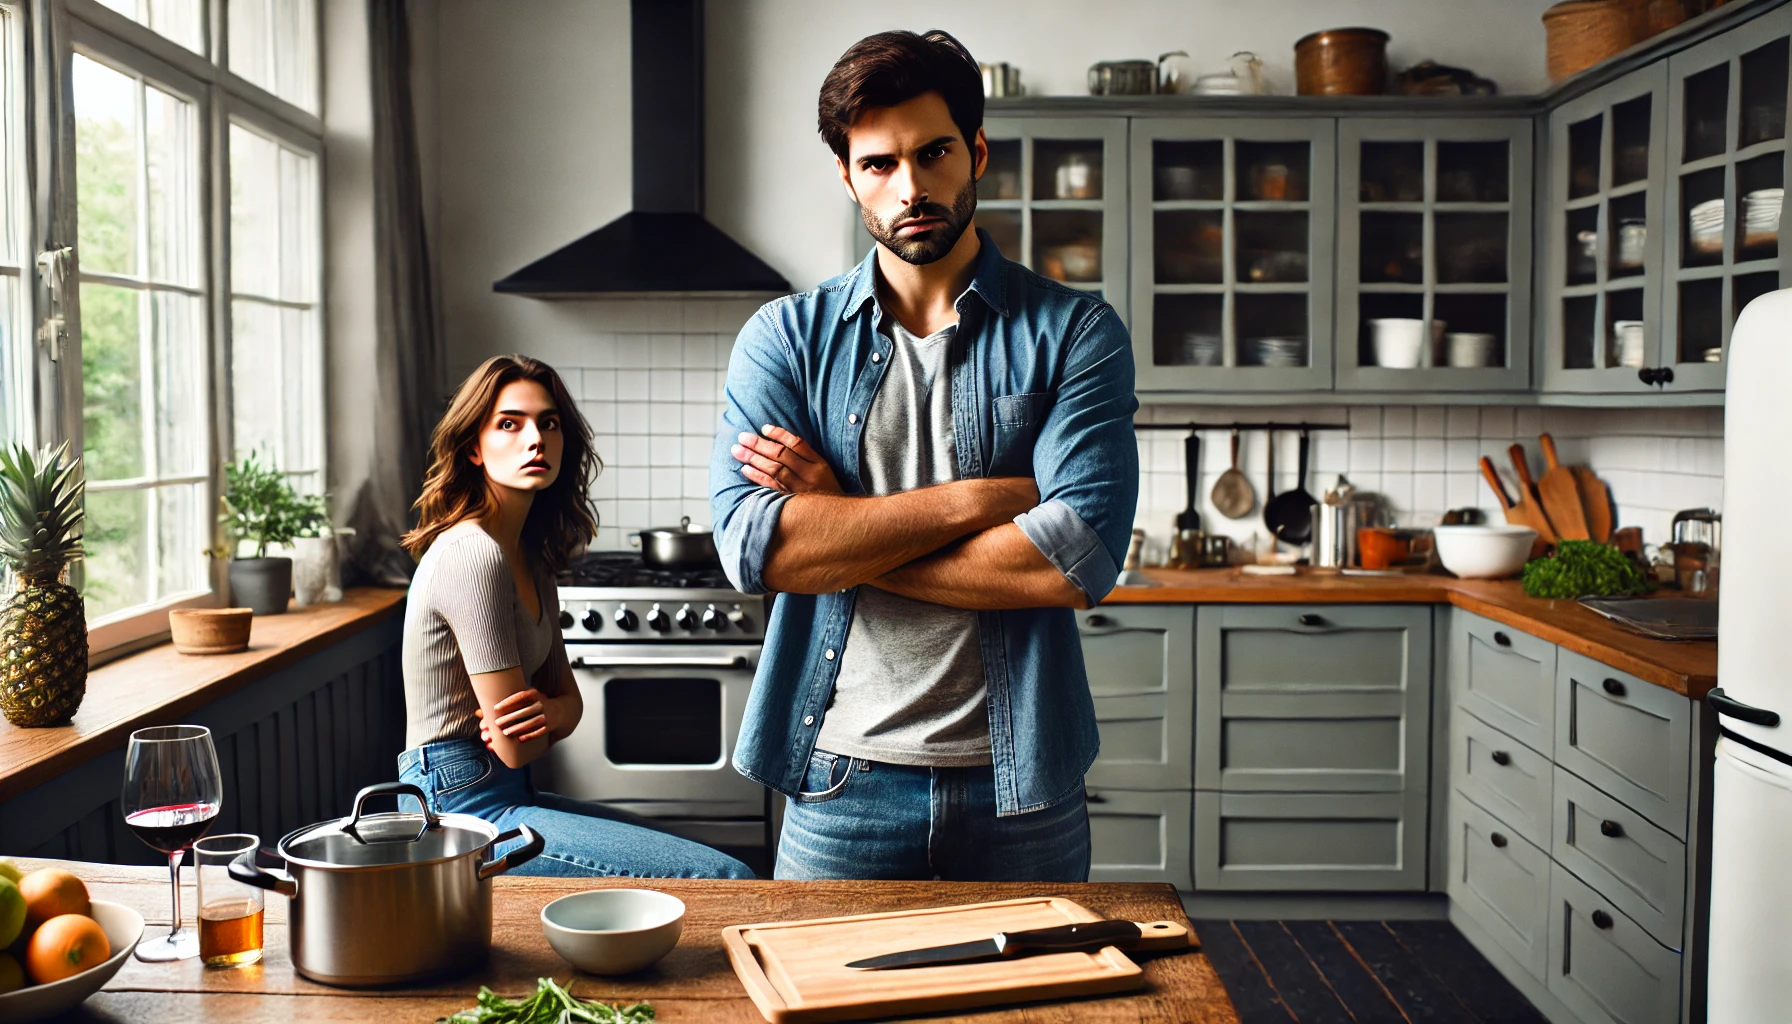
pixel 210 630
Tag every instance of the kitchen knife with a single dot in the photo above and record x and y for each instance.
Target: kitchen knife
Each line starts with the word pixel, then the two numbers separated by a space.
pixel 1071 938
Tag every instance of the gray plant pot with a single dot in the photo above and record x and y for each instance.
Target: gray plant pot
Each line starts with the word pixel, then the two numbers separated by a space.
pixel 262 584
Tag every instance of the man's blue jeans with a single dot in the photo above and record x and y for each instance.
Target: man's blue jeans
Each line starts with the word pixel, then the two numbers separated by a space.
pixel 583 839
pixel 872 820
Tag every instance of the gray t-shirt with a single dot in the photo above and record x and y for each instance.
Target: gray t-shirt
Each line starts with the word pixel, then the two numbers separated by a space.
pixel 463 617
pixel 910 688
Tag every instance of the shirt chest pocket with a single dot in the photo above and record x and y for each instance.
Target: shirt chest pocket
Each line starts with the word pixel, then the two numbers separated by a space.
pixel 1017 422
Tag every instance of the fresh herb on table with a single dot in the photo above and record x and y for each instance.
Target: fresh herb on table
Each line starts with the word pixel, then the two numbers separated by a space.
pixel 551 1004
pixel 1582 568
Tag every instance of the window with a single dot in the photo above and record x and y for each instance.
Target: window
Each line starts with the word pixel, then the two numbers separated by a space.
pixel 273 44
pixel 15 322
pixel 180 20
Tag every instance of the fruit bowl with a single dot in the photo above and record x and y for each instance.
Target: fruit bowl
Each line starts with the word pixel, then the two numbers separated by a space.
pixel 123 927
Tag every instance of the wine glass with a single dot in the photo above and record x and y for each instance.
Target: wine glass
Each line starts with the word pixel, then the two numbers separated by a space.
pixel 172 791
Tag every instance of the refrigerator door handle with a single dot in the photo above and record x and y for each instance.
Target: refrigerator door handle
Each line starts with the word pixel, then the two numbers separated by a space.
pixel 1736 709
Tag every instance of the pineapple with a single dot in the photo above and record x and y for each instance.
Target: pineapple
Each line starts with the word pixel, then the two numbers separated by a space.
pixel 43 625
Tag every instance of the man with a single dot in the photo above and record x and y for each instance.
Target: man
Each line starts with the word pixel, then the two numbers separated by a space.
pixel 931 460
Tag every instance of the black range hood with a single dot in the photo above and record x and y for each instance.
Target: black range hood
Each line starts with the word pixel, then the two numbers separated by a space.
pixel 664 246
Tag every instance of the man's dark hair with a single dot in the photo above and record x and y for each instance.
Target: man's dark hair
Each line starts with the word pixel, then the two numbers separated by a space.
pixel 894 67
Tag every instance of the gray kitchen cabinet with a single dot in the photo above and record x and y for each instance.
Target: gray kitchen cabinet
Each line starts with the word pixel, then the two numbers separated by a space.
pixel 1139 836
pixel 1505 677
pixel 1313 698
pixel 1434 224
pixel 1327 842
pixel 1636 865
pixel 1727 103
pixel 1232 225
pixel 1503 776
pixel 1140 661
pixel 1627 737
pixel 1499 878
pixel 1607 164
pixel 1604 966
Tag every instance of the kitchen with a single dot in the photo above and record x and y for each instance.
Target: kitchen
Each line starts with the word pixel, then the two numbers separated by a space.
pixel 523 121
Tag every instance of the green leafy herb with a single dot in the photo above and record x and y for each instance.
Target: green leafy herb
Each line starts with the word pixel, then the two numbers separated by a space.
pixel 261 505
pixel 551 1004
pixel 1581 568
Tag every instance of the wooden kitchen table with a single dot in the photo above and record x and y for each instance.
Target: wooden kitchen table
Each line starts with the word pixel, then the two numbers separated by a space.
pixel 693 983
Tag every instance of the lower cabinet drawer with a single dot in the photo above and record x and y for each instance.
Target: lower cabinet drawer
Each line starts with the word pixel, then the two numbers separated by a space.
pixel 1279 842
pixel 1139 837
pixel 1502 881
pixel 1502 775
pixel 1604 966
pixel 1143 745
pixel 1630 862
pixel 1505 676
pixel 1630 738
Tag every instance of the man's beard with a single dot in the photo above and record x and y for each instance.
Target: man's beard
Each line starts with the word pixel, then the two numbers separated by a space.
pixel 927 246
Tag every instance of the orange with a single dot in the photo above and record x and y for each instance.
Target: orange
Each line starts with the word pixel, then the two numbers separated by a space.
pixel 52 892
pixel 64 946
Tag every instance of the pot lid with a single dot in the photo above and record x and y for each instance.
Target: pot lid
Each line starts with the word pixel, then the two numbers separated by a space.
pixel 398 837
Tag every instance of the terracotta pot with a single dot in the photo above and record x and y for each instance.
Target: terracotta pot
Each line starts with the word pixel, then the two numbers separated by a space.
pixel 1584 32
pixel 211 630
pixel 1342 62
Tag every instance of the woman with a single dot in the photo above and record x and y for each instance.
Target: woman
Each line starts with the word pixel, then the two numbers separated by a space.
pixel 486 681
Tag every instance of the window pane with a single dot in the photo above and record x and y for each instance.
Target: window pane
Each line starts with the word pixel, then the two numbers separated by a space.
pixel 115 541
pixel 254 224
pixel 105 167
pixel 273 43
pixel 179 20
pixel 183 534
pixel 303 396
pixel 111 376
pixel 255 377
pixel 177 338
pixel 297 275
pixel 173 188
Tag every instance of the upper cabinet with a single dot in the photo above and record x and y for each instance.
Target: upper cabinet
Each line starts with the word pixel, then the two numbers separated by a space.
pixel 1434 254
pixel 1232 232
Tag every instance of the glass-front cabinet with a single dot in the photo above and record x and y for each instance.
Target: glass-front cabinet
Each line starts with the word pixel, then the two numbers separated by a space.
pixel 1727 169
pixel 1602 321
pixel 1434 254
pixel 1232 228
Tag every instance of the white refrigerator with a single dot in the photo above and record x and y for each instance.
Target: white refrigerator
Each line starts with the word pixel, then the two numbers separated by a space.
pixel 1750 976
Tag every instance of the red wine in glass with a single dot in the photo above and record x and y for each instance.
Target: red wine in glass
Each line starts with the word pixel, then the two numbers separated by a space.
pixel 172 829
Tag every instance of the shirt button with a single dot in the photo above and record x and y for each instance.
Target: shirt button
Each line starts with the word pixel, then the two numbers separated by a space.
pixel 852 417
pixel 830 654
pixel 877 357
pixel 808 719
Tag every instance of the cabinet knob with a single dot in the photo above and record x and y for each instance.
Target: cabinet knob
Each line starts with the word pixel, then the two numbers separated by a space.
pixel 1093 797
pixel 1665 375
pixel 1499 841
pixel 1098 621
pixel 1601 919
pixel 1502 639
pixel 1610 829
pixel 1309 619
pixel 1614 687
pixel 1646 375
pixel 1501 758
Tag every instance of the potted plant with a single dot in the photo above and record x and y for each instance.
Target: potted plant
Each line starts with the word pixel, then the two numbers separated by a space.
pixel 43 625
pixel 261 507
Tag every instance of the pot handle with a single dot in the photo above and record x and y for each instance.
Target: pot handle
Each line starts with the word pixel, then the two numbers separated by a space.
pixel 245 870
pixel 532 846
pixel 389 789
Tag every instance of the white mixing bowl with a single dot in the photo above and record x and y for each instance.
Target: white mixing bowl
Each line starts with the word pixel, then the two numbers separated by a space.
pixel 613 931
pixel 1484 552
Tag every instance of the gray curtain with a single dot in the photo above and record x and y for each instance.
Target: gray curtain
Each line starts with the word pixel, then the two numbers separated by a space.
pixel 410 349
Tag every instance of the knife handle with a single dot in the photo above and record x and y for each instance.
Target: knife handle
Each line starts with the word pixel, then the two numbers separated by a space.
pixel 1093 935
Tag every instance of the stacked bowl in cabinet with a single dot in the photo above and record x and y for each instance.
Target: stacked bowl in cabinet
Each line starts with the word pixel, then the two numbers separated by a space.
pixel 1568 822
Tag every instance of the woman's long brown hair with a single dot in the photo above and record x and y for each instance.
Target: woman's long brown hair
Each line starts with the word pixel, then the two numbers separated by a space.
pixel 561 522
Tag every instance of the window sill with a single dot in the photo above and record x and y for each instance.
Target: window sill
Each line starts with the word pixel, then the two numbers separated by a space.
pixel 158 685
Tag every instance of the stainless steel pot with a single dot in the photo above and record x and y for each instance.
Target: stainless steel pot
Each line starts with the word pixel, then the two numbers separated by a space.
pixel 678 547
pixel 379 899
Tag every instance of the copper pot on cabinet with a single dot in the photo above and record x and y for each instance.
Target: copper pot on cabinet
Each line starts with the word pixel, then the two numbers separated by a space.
pixel 1342 62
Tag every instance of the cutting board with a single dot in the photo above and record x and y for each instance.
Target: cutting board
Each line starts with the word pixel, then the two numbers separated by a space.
pixel 796 973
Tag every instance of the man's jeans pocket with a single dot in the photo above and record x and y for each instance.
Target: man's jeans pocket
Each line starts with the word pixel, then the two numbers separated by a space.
pixel 826 778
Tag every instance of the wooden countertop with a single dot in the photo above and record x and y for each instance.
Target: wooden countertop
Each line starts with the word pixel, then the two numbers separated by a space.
pixel 1689 669
pixel 693 983
pixel 158 686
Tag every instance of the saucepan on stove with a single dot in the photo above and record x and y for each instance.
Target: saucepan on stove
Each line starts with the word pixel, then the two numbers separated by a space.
pixel 379 899
pixel 678 547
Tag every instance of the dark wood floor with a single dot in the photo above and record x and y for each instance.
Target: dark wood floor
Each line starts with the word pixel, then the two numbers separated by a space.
pixel 1369 972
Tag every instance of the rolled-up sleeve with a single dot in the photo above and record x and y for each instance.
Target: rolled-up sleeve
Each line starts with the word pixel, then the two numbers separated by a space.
pixel 763 387
pixel 1086 461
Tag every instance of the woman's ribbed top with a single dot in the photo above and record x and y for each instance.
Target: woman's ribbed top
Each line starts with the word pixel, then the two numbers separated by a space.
pixel 463 617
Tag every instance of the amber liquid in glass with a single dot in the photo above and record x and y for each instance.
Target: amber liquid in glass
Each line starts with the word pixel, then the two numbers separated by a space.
pixel 230 933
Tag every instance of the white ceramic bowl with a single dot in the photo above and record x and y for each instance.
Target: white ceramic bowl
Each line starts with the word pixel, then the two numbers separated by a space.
pixel 1484 552
pixel 613 931
pixel 123 927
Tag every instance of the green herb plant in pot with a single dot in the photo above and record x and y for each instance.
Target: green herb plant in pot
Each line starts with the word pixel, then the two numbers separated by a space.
pixel 261 508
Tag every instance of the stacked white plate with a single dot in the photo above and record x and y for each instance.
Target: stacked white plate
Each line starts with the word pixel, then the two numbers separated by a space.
pixel 1705 226
pixel 1201 349
pixel 1281 353
pixel 1761 216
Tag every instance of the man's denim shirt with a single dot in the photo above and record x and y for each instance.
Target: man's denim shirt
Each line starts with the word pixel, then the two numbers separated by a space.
pixel 1042 386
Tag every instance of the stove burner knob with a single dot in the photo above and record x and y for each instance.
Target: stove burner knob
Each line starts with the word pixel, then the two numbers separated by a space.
pixel 656 619
pixel 565 619
pixel 713 620
pixel 686 618
pixel 593 622
pixel 626 620
pixel 740 620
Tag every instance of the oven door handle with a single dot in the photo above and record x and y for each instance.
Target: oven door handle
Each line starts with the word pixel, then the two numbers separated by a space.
pixel 598 661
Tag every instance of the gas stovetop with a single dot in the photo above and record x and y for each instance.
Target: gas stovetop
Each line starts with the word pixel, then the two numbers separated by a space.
pixel 614 597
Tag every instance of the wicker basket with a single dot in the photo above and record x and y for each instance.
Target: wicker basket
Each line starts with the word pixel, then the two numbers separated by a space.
pixel 1342 62
pixel 1652 17
pixel 1584 32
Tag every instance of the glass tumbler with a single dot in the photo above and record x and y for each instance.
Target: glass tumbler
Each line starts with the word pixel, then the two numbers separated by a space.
pixel 230 913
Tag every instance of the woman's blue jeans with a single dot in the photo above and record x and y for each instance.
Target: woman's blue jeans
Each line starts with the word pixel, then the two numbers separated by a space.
pixel 583 839
pixel 869 819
